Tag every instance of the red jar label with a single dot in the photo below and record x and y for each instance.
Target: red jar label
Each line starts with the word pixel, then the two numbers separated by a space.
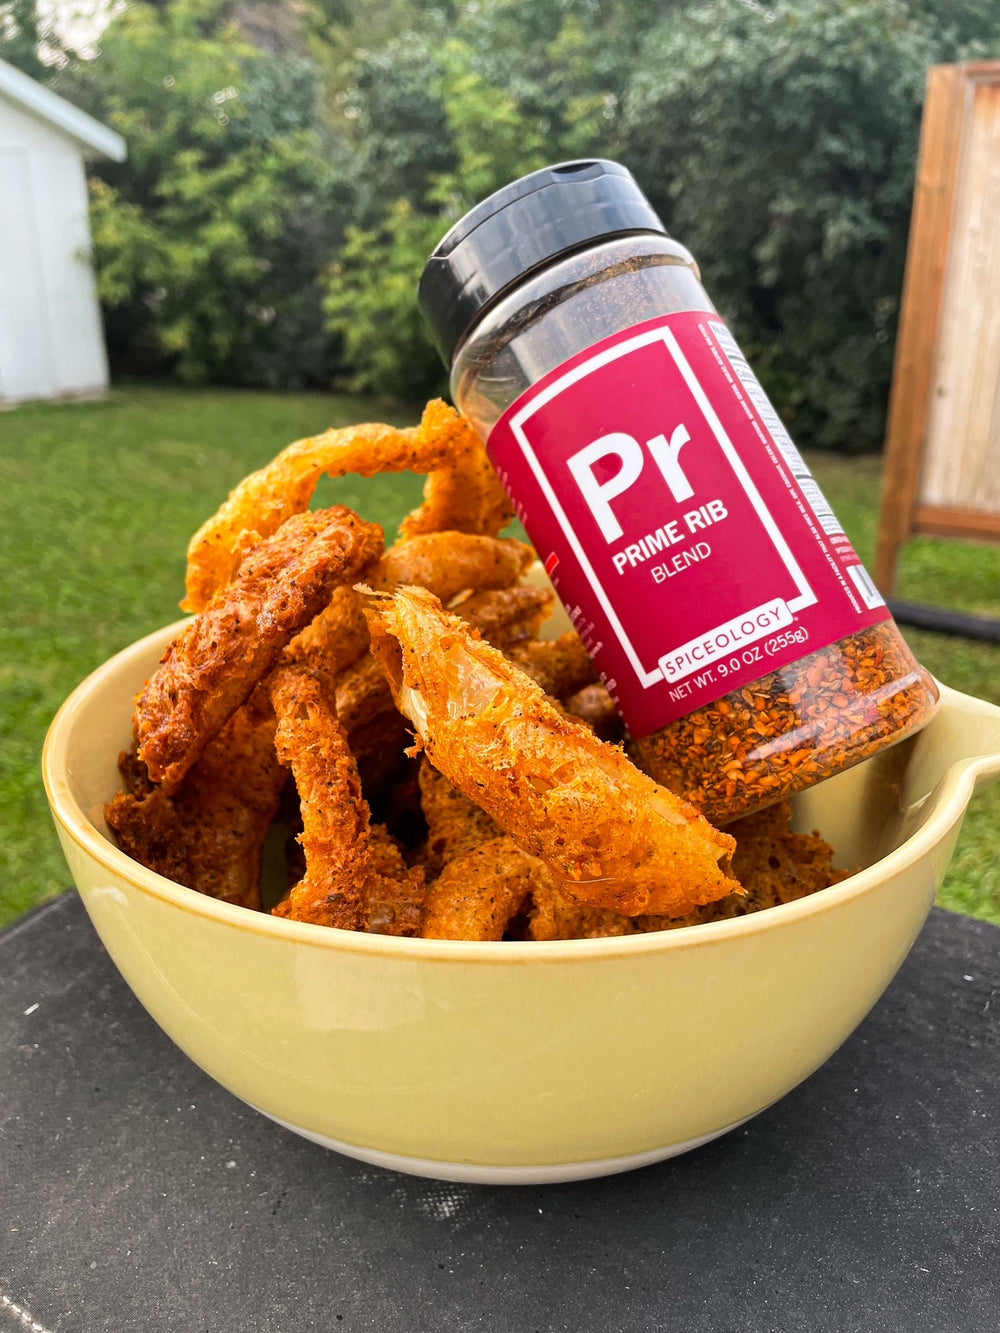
pixel 676 519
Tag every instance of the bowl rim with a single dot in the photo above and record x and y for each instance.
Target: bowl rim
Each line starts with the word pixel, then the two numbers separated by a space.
pixel 956 788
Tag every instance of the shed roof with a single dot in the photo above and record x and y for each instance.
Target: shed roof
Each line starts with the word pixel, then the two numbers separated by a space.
pixel 96 139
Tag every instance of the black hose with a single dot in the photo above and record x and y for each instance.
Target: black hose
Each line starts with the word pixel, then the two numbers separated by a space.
pixel 942 621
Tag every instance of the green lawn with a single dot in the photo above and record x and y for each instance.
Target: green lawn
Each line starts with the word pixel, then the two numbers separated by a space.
pixel 98 500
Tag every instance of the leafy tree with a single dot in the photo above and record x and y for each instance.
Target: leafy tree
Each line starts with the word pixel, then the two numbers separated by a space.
pixel 780 145
pixel 293 162
pixel 778 142
pixel 209 240
pixel 499 90
pixel 23 35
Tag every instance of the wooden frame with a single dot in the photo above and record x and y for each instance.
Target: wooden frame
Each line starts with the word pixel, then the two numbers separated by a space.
pixel 954 247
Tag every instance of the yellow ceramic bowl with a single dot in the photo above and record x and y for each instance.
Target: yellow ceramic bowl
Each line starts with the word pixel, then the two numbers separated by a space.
pixel 520 1062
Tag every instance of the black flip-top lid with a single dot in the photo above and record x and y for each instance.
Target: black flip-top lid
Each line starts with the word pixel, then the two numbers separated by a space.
pixel 523 226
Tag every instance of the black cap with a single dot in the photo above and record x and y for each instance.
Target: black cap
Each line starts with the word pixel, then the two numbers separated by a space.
pixel 523 226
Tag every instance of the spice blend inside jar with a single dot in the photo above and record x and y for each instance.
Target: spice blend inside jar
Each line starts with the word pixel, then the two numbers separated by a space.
pixel 729 616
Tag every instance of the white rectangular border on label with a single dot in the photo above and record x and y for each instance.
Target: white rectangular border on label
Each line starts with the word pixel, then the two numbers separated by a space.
pixel 805 595
pixel 724 640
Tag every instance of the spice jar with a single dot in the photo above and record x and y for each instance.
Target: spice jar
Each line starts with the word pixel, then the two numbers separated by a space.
pixel 730 618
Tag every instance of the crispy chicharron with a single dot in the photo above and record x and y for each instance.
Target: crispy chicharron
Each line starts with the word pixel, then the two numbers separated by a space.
pixel 325 678
pixel 611 836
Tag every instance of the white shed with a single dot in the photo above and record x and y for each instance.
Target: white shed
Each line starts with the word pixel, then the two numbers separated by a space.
pixel 51 339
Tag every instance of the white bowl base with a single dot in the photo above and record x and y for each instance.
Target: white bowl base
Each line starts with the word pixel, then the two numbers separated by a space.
pixel 472 1173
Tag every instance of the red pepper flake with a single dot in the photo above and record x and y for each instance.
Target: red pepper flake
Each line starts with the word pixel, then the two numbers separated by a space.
pixel 801 724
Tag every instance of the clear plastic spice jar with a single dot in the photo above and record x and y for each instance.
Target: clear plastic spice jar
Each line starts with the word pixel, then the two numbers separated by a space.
pixel 731 620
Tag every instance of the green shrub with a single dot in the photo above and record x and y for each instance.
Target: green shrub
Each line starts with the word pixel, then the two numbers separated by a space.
pixel 493 91
pixel 209 240
pixel 280 199
pixel 780 146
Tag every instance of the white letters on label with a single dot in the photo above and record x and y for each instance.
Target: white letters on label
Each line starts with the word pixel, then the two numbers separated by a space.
pixel 665 453
pixel 598 495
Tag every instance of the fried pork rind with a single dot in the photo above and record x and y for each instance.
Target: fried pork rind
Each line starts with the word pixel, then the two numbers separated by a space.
pixel 480 891
pixel 465 492
pixel 455 824
pixel 363 693
pixel 594 705
pixel 527 825
pixel 777 865
pixel 560 666
pixel 774 864
pixel 470 898
pixel 469 901
pixel 352 880
pixel 450 562
pixel 506 615
pixel 452 565
pixel 394 891
pixel 462 491
pixel 611 836
pixel 474 570
pixel 337 637
pixel 218 658
pixel 210 835
pixel 553 916
pixel 379 749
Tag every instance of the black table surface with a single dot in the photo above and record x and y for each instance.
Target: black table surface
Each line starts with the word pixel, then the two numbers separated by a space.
pixel 137 1194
